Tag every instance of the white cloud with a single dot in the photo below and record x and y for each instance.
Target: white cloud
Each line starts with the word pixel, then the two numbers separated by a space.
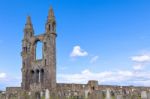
pixel 141 58
pixel 77 51
pixel 94 59
pixel 138 67
pixel 8 80
pixel 108 77
pixel 140 61
pixel 2 75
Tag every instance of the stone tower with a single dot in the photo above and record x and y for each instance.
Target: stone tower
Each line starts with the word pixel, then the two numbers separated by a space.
pixel 39 74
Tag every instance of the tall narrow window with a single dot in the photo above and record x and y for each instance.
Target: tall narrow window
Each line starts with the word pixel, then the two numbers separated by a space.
pixel 49 27
pixel 37 76
pixel 32 76
pixel 42 75
pixel 25 49
pixel 39 51
pixel 23 64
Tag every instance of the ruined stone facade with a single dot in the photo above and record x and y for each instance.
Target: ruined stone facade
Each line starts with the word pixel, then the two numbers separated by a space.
pixel 39 75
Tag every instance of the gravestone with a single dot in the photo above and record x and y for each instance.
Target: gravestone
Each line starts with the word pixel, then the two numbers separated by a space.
pixel 135 97
pixel 86 93
pixel 47 94
pixel 119 97
pixel 97 95
pixel 108 95
pixel 127 96
pixel 62 97
pixel 148 95
pixel 143 95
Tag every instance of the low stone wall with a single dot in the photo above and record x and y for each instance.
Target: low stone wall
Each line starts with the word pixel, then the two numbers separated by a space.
pixel 80 91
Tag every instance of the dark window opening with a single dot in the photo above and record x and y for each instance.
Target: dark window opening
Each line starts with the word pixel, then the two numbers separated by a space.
pixel 42 76
pixel 32 76
pixel 25 49
pixel 23 64
pixel 49 27
pixel 93 88
pixel 32 72
pixel 37 76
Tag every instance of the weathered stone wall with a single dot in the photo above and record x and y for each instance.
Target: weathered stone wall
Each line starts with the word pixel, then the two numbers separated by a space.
pixel 92 89
pixel 2 95
pixel 39 74
pixel 80 91
pixel 11 93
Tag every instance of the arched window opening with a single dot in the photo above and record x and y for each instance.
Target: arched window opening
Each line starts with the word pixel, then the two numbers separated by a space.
pixel 39 51
pixel 25 49
pixel 32 76
pixel 49 27
pixel 42 75
pixel 23 64
pixel 93 88
pixel 37 76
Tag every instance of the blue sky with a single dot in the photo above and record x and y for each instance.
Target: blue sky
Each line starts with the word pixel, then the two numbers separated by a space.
pixel 104 40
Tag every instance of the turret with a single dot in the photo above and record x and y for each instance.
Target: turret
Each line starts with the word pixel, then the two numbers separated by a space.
pixel 28 33
pixel 28 30
pixel 51 23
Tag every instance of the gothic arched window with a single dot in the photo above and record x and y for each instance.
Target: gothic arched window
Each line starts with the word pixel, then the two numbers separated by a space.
pixel 39 51
pixel 37 76
pixel 42 75
pixel 49 27
pixel 32 76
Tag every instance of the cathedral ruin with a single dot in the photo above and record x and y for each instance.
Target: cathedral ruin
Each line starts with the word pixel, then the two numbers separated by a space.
pixel 39 75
